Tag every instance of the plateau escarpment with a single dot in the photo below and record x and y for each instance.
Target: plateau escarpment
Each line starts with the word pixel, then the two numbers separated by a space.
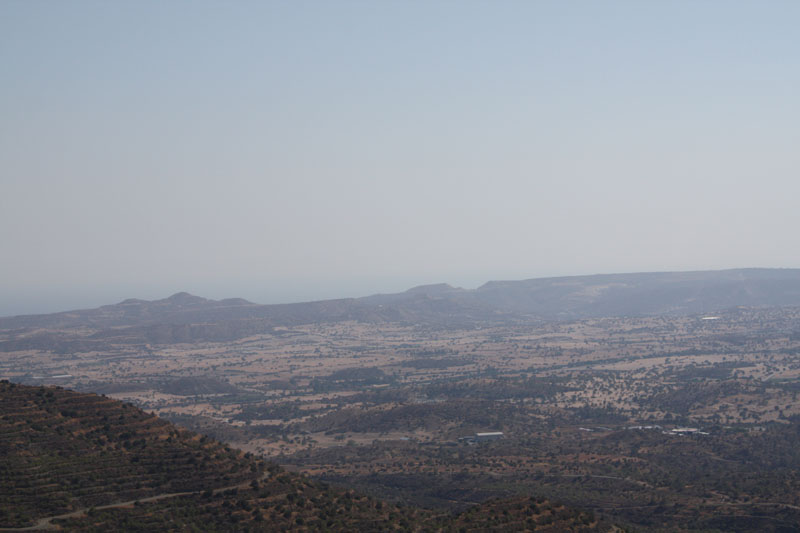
pixel 183 318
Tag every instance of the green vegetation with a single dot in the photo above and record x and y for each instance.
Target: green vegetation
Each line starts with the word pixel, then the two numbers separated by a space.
pixel 61 451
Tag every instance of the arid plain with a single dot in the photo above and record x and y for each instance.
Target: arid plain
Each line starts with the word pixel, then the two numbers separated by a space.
pixel 684 420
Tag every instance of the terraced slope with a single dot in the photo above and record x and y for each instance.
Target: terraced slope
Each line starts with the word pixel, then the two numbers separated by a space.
pixel 287 504
pixel 82 462
pixel 61 451
pixel 283 502
pixel 524 514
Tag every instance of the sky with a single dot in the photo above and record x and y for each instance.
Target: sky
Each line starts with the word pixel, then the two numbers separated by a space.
pixel 295 150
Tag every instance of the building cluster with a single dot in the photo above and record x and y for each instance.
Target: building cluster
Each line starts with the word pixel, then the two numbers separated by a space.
pixel 481 437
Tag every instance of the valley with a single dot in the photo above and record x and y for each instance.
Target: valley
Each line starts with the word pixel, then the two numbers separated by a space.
pixel 666 421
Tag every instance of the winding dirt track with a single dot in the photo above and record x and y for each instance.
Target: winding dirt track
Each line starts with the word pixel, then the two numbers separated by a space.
pixel 47 522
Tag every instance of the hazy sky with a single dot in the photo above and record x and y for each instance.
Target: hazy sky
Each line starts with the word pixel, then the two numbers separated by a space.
pixel 291 150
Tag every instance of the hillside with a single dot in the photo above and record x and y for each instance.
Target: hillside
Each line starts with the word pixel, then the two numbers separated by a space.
pixel 183 318
pixel 61 451
pixel 88 463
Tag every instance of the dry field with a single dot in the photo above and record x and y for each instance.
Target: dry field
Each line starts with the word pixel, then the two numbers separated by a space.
pixel 286 379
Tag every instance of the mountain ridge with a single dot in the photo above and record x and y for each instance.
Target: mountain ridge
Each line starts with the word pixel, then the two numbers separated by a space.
pixel 186 299
pixel 183 317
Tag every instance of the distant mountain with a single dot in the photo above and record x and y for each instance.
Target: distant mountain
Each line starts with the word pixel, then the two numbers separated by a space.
pixel 182 308
pixel 186 318
pixel 576 297
pixel 657 293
